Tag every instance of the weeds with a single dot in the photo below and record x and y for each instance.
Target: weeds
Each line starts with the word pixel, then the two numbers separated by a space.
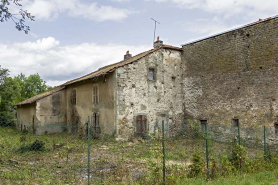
pixel 64 161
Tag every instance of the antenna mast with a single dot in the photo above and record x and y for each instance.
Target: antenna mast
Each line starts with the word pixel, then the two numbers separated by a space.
pixel 155 21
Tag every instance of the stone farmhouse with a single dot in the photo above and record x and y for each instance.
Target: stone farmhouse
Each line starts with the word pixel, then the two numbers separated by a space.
pixel 228 79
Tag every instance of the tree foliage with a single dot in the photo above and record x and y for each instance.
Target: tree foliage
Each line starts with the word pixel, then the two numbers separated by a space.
pixel 17 89
pixel 30 86
pixel 6 15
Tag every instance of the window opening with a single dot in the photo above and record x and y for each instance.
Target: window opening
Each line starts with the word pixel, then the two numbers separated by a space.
pixel 151 74
pixel 95 94
pixel 276 129
pixel 73 96
pixel 203 125
pixel 235 122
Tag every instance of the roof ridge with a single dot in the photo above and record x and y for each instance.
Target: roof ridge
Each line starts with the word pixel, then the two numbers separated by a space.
pixel 103 70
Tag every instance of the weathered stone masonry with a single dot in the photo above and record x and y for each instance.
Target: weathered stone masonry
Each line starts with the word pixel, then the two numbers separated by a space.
pixel 234 75
pixel 158 98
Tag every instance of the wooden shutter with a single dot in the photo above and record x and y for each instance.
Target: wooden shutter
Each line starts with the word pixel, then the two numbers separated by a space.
pixel 73 96
pixel 141 125
pixel 96 94
pixel 97 120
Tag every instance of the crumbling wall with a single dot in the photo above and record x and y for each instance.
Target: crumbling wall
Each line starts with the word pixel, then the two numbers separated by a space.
pixel 234 75
pixel 137 95
pixel 25 115
pixel 51 113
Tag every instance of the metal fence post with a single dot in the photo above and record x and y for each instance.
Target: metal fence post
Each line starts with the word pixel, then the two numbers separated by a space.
pixel 163 149
pixel 264 144
pixel 238 129
pixel 207 155
pixel 89 150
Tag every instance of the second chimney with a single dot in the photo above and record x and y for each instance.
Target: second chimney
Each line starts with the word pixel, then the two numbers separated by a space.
pixel 157 43
pixel 127 55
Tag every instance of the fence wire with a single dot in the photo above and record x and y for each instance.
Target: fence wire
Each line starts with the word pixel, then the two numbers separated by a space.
pixel 32 155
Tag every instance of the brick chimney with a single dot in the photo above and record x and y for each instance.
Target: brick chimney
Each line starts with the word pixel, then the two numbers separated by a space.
pixel 127 55
pixel 157 43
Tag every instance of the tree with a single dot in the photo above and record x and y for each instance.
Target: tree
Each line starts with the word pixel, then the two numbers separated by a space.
pixel 6 15
pixel 30 86
pixel 9 93
pixel 3 74
pixel 15 90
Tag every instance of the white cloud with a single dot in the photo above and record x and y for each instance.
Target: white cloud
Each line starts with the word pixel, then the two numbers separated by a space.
pixel 120 0
pixel 41 44
pixel 206 27
pixel 101 13
pixel 230 7
pixel 58 64
pixel 50 9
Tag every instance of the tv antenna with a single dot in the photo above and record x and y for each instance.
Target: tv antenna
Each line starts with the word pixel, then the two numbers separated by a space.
pixel 155 21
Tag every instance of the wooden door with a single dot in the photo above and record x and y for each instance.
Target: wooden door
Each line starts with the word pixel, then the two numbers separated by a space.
pixel 141 125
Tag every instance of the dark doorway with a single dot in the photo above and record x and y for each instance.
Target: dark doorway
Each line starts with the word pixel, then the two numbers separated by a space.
pixel 95 125
pixel 203 125
pixel 33 123
pixel 141 126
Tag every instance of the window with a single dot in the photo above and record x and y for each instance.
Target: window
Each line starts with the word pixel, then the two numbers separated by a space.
pixel 203 125
pixel 95 124
pixel 141 125
pixel 151 74
pixel 95 94
pixel 276 128
pixel 235 122
pixel 73 96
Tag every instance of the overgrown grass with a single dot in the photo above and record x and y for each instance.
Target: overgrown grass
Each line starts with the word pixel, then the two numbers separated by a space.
pixel 63 160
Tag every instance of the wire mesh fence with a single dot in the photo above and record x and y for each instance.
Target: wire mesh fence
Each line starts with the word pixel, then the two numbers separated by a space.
pixel 71 157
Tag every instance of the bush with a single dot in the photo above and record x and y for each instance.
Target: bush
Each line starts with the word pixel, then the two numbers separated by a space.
pixel 6 120
pixel 226 166
pixel 36 146
pixel 238 157
pixel 196 168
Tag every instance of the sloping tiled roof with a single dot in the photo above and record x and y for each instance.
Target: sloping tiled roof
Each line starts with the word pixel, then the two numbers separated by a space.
pixel 113 67
pixel 101 71
pixel 41 95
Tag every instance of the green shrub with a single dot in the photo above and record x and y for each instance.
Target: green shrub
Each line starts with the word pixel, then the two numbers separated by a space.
pixel 6 120
pixel 226 166
pixel 197 134
pixel 196 168
pixel 36 146
pixel 238 157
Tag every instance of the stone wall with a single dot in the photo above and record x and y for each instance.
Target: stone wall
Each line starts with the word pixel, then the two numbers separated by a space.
pixel 156 99
pixel 234 75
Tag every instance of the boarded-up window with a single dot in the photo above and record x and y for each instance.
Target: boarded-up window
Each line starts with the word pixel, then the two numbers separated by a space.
pixel 141 125
pixel 151 74
pixel 276 129
pixel 95 94
pixel 204 125
pixel 73 96
pixel 95 124
pixel 235 122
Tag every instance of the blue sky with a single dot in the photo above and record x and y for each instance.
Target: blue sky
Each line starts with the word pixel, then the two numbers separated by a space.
pixel 71 38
